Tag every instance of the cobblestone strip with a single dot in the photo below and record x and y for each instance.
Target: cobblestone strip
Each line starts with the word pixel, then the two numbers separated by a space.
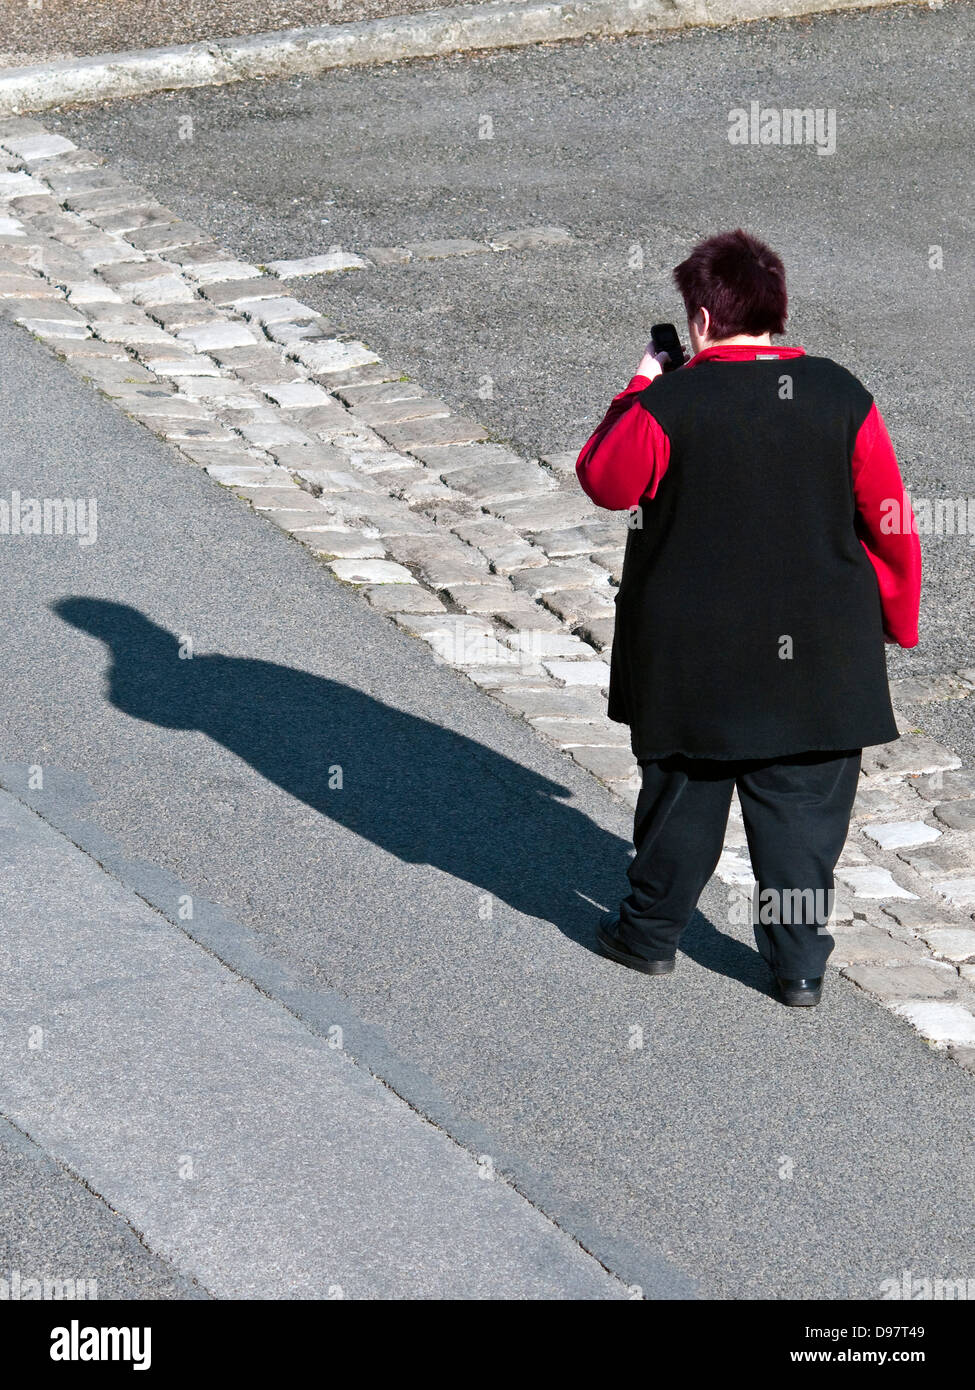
pixel 499 563
pixel 525 239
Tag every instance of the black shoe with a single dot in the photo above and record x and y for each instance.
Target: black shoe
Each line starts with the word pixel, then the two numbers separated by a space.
pixel 616 949
pixel 800 992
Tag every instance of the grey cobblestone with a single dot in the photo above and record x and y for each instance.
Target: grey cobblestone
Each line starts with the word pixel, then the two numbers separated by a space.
pixel 452 430
pixel 964 1056
pixel 936 860
pixel 922 690
pixel 392 412
pixel 580 608
pixel 499 483
pixel 913 754
pixel 959 892
pixel 14 286
pixel 413 485
pixel 344 545
pixel 610 764
pixel 442 572
pixel 857 943
pixel 291 498
pixel 886 799
pixel 164 237
pixel 86 349
pixel 236 293
pixel 946 786
pixel 548 579
pixel 182 313
pixel 223 455
pixel 959 815
pixel 445 459
pixel 951 943
pixel 326 264
pixel 384 461
pixel 363 373
pixel 378 392
pixel 403 598
pixel 205 336
pixel 300 519
pixel 485 598
pixel 495 678
pixel 179 429
pixel 530 239
pixel 900 834
pixel 598 631
pixel 535 619
pixel 872 881
pixel 244 474
pixel 116 377
pixel 545 513
pixel 501 545
pixel 271 433
pixel 904 981
pixel 383 256
pixel 939 1021
pixel 172 365
pixel 916 916
pixel 371 572
pixel 333 356
pixel 440 250
pixel 573 673
pixel 554 702
pixel 568 733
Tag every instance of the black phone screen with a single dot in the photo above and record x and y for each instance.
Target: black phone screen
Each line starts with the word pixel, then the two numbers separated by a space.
pixel 664 338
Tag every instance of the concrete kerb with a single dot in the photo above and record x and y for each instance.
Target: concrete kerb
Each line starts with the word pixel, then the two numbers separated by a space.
pixel 434 33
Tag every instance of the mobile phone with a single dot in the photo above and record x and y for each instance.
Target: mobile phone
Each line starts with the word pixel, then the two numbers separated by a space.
pixel 663 337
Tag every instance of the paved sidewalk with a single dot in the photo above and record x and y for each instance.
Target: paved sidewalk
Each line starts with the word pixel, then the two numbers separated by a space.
pixel 54 1228
pixel 60 29
pixel 247 1150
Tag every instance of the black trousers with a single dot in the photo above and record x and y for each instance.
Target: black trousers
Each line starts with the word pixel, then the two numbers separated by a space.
pixel 797 814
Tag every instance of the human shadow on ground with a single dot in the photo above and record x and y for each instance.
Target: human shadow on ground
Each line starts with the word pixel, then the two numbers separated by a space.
pixel 420 791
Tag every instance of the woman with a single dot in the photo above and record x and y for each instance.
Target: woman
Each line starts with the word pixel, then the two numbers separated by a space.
pixel 761 579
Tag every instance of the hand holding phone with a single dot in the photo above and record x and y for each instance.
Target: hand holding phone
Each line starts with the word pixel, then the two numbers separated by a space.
pixel 664 352
pixel 663 338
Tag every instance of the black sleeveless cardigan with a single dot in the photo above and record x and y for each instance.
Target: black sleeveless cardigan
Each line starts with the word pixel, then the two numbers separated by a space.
pixel 748 618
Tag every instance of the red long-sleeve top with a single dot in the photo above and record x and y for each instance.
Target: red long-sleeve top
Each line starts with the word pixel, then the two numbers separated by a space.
pixel 627 456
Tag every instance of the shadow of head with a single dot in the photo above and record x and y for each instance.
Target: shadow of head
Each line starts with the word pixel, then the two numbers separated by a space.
pixel 423 792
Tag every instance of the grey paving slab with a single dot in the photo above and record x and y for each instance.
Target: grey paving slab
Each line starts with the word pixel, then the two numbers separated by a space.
pixel 58 1239
pixel 247 1149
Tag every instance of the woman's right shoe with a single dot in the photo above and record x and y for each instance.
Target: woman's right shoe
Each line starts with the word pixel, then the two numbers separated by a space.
pixel 802 993
pixel 614 947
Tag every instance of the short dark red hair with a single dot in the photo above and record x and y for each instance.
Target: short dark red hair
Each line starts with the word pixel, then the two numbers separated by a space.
pixel 739 280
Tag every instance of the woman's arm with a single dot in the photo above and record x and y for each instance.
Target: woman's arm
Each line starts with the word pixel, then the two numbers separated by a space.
pixel 885 525
pixel 627 455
